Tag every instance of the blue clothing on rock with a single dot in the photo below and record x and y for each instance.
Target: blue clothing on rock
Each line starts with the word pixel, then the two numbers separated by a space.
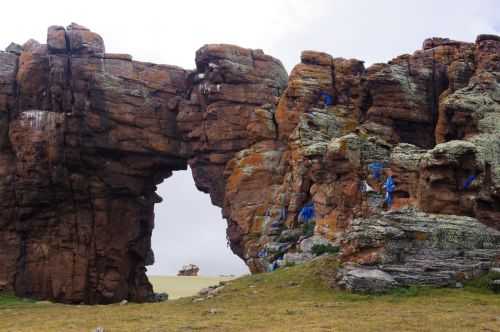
pixel 469 181
pixel 376 169
pixel 389 186
pixel 327 98
pixel 306 214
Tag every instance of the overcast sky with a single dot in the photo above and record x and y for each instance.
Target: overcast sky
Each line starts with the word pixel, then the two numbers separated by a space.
pixel 188 229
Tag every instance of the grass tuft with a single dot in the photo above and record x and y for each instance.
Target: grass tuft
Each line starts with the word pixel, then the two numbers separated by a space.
pixel 482 283
pixel 320 249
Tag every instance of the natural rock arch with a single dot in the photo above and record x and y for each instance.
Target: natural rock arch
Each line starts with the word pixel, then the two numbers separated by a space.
pixel 86 136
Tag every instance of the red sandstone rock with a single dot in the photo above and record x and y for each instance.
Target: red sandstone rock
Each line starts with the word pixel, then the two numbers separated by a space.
pixel 86 136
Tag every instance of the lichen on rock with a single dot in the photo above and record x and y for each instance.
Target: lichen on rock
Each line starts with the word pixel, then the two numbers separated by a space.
pixel 86 136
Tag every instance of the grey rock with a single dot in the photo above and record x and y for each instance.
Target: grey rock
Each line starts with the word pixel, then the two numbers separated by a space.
pixel 31 45
pixel 306 245
pixel 296 258
pixel 363 280
pixel 56 39
pixel 159 297
pixel 210 291
pixel 14 48
pixel 290 235
pixel 407 156
pixel 495 270
pixel 416 248
pixel 204 291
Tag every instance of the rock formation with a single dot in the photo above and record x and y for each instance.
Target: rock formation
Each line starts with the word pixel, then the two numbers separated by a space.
pixel 190 270
pixel 85 137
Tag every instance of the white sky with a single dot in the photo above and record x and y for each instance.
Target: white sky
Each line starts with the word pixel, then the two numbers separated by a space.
pixel 170 32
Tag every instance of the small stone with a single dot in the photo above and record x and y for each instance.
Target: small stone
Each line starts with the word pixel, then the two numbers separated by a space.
pixel 123 302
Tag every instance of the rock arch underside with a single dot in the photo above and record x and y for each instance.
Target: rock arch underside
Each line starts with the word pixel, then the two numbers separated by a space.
pixel 85 137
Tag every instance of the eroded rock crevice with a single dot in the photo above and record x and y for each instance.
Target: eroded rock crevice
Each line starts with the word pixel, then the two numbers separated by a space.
pixel 85 137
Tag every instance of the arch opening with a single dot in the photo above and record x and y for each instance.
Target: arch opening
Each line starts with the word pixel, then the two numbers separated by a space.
pixel 189 230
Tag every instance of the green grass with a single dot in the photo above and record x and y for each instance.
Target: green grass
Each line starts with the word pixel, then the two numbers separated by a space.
pixel 481 284
pixel 9 300
pixel 297 298
pixel 308 229
pixel 320 249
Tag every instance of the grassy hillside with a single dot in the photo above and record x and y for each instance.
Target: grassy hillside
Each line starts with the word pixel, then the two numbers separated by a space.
pixel 290 299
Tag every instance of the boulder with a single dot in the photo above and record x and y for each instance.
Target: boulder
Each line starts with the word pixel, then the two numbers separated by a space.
pixel 416 248
pixel 159 297
pixel 364 280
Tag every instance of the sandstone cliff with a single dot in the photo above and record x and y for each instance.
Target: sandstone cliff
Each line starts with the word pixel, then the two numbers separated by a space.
pixel 85 137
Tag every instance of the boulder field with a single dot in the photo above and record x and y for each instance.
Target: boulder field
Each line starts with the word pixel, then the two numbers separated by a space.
pixel 298 163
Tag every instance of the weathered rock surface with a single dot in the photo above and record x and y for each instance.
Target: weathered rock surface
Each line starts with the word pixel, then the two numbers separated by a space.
pixel 419 248
pixel 85 137
pixel 366 280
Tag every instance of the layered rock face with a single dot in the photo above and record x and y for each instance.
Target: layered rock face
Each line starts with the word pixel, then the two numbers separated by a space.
pixel 88 136
pixel 85 137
